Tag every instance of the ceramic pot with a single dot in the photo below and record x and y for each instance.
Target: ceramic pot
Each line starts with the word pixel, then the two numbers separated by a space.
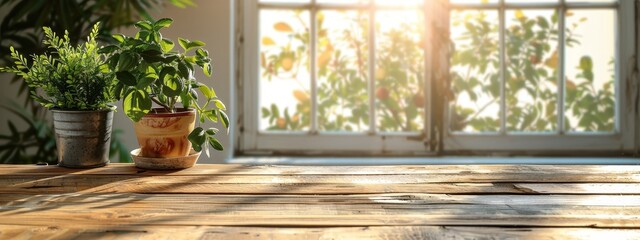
pixel 83 138
pixel 163 134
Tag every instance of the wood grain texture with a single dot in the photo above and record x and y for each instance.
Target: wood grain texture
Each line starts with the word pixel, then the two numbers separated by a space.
pixel 538 171
pixel 260 233
pixel 321 202
pixel 292 184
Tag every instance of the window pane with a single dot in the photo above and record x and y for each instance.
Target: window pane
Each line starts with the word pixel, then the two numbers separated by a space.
pixel 590 95
pixel 284 1
pixel 596 1
pixel 342 65
pixel 531 1
pixel 400 2
pixel 399 71
pixel 531 77
pixel 474 1
pixel 343 1
pixel 475 74
pixel 284 70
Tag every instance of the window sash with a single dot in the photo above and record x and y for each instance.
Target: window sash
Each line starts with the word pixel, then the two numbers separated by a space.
pixel 560 140
pixel 370 142
pixel 313 142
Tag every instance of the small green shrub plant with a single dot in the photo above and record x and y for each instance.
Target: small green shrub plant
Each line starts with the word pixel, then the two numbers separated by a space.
pixel 67 77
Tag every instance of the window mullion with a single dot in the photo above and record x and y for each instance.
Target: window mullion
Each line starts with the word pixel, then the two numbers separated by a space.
pixel 372 67
pixel 561 39
pixel 428 66
pixel 503 68
pixel 312 61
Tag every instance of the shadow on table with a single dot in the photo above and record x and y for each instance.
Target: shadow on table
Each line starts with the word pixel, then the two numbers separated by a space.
pixel 99 190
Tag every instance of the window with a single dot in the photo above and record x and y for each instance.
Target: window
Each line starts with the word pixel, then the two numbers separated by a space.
pixel 414 76
pixel 539 75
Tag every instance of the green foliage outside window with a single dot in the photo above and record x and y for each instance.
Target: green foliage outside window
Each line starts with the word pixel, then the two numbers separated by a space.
pixel 343 73
pixel 531 62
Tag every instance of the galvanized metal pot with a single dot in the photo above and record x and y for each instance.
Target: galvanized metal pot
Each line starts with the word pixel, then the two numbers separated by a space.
pixel 83 137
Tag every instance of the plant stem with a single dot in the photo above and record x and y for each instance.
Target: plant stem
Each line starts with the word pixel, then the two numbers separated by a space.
pixel 155 100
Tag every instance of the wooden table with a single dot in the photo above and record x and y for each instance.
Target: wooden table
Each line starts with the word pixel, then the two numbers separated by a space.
pixel 321 202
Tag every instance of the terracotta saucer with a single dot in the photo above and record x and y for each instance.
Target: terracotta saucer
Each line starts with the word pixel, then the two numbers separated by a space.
pixel 165 163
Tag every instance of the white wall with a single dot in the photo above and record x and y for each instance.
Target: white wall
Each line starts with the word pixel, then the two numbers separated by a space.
pixel 211 22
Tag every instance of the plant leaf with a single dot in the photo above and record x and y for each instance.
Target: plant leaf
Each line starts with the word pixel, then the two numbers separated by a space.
pixel 166 45
pixel 136 104
pixel 194 44
pixel 146 25
pixel 197 137
pixel 108 49
pixel 118 37
pixel 184 43
pixel 208 92
pixel 225 120
pixel 267 41
pixel 215 144
pixel 126 77
pixel 207 69
pixel 162 23
pixel 172 87
pixel 219 104
pixel 282 27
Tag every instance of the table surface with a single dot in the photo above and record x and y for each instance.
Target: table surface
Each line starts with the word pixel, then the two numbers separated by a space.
pixel 321 202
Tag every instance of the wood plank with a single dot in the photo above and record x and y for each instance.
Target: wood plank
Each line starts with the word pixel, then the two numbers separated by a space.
pixel 401 232
pixel 418 199
pixel 322 211
pixel 134 186
pixel 377 183
pixel 539 171
pixel 303 184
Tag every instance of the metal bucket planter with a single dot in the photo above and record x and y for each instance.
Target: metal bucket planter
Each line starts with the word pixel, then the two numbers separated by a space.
pixel 83 138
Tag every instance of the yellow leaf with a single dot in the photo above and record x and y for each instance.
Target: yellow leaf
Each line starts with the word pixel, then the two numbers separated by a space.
pixel 569 14
pixel 552 62
pixel 282 27
pixel 520 15
pixel 300 95
pixel 267 41
pixel 325 56
pixel 570 85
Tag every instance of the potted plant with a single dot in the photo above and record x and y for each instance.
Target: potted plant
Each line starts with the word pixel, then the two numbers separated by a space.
pixel 148 71
pixel 74 82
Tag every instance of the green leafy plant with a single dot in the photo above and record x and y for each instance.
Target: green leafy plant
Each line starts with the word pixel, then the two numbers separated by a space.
pixel 148 72
pixel 69 77
pixel 35 144
pixel 21 28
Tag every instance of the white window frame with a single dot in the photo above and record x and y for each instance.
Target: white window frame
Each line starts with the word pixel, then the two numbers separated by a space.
pixel 315 142
pixel 254 141
pixel 622 139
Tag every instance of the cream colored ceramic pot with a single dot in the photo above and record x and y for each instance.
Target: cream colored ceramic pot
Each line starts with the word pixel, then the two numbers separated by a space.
pixel 162 135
